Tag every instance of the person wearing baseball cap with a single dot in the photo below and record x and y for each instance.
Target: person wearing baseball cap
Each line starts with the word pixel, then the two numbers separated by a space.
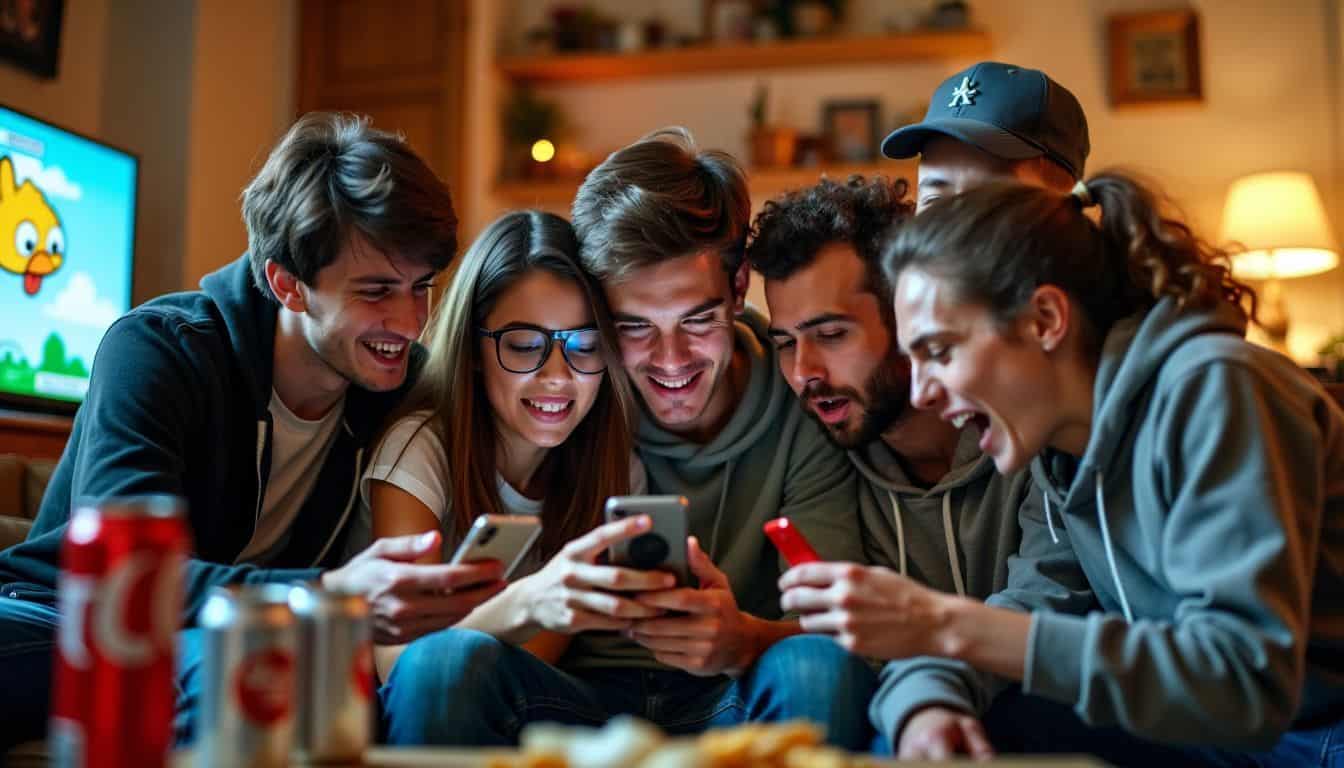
pixel 995 120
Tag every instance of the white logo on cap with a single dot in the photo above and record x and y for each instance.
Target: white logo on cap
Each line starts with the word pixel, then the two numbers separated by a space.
pixel 964 94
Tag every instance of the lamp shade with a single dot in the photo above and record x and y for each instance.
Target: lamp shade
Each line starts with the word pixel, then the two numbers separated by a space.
pixel 1279 220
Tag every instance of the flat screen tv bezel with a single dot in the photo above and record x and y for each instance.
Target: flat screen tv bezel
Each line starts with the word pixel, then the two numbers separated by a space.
pixel 39 404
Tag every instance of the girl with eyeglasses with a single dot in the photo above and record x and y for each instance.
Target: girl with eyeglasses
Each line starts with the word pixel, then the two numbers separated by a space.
pixel 517 411
pixel 1185 603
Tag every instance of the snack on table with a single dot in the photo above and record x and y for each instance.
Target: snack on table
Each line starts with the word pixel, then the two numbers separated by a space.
pixel 626 742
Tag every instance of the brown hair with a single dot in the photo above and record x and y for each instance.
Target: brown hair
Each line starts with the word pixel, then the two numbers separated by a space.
pixel 791 229
pixel 594 462
pixel 333 175
pixel 661 198
pixel 997 243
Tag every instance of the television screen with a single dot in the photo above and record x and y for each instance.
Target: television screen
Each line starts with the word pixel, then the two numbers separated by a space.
pixel 67 237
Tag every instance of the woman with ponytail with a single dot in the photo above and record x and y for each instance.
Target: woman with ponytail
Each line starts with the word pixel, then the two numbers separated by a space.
pixel 1193 487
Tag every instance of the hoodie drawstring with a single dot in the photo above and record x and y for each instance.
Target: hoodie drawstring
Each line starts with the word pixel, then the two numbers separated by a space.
pixel 954 561
pixel 952 545
pixel 1110 551
pixel 718 511
pixel 900 532
pixel 1049 523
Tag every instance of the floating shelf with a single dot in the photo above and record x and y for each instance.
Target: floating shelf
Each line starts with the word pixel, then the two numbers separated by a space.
pixel 763 182
pixel 785 54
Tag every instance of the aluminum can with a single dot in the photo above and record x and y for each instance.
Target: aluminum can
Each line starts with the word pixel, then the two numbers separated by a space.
pixel 334 676
pixel 120 602
pixel 247 676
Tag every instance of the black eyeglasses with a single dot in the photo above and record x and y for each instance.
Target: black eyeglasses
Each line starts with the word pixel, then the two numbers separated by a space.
pixel 525 348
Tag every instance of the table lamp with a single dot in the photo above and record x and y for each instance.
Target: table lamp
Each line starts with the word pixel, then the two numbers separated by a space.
pixel 1277 227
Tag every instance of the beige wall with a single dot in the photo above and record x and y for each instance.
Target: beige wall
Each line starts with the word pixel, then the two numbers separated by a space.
pixel 1270 103
pixel 242 97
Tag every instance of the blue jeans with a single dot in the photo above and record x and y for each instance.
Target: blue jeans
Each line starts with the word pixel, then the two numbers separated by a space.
pixel 1017 722
pixel 27 654
pixel 460 687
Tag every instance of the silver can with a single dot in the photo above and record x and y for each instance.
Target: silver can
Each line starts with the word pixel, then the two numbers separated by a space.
pixel 335 684
pixel 247 686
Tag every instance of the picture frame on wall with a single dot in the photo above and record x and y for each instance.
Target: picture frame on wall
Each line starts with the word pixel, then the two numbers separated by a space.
pixel 30 34
pixel 1155 58
pixel 851 129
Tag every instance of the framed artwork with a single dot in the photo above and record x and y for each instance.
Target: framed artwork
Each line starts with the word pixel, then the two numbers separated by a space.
pixel 851 129
pixel 30 34
pixel 1154 58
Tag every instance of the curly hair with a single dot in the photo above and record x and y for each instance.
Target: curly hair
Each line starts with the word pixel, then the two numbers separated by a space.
pixel 999 242
pixel 790 230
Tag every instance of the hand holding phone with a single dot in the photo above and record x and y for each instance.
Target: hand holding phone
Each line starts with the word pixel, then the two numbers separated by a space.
pixel 506 538
pixel 663 547
pixel 790 542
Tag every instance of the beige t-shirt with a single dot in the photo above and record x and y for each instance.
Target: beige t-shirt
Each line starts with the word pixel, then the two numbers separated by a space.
pixel 413 458
pixel 298 449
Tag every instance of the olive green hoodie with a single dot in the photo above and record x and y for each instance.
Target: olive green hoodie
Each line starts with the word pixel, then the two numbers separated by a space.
pixel 770 459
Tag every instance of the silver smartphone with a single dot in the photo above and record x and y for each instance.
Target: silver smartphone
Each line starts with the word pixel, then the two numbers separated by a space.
pixel 663 548
pixel 506 538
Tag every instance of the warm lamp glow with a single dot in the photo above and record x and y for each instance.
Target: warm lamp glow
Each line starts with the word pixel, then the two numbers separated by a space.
pixel 1279 221
pixel 543 151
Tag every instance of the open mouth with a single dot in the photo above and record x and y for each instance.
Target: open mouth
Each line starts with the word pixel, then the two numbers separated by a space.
pixel 673 386
pixel 549 409
pixel 979 420
pixel 831 410
pixel 386 352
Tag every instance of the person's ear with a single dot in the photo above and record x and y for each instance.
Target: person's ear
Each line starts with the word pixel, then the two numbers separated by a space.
pixel 286 287
pixel 1049 317
pixel 741 282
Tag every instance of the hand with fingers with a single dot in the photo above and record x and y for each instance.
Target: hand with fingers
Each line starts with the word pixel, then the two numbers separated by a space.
pixel 871 611
pixel 712 636
pixel 574 593
pixel 939 733
pixel 407 600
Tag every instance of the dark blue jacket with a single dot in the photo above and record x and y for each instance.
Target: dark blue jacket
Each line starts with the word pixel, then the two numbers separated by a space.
pixel 177 403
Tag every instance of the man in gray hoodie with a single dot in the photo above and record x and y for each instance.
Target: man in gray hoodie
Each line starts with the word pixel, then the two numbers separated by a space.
pixel 663 225
pixel 931 504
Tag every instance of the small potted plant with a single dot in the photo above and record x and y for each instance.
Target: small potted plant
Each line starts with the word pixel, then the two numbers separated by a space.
pixel 772 146
pixel 527 120
pixel 1332 356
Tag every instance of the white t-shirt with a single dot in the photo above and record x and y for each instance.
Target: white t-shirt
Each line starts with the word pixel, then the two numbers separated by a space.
pixel 413 458
pixel 298 449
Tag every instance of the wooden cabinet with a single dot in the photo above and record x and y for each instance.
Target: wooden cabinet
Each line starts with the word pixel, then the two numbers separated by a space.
pixel 34 435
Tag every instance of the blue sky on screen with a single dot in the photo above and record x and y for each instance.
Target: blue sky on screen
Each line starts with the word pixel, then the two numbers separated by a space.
pixel 92 190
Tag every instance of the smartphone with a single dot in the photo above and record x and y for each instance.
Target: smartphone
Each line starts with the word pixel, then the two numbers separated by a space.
pixel 790 542
pixel 663 547
pixel 506 538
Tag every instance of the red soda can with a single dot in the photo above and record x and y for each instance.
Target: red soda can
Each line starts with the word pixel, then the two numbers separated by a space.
pixel 247 685
pixel 334 720
pixel 120 600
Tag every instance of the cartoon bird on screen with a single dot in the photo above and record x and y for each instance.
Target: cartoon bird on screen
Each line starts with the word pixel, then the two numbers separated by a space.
pixel 32 243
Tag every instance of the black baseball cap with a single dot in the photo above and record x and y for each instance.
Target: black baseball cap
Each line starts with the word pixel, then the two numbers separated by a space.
pixel 1008 111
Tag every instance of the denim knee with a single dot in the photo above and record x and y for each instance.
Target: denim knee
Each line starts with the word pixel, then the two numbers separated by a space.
pixel 808 676
pixel 438 690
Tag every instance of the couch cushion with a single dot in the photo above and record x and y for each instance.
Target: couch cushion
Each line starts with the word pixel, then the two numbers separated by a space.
pixel 12 531
pixel 35 484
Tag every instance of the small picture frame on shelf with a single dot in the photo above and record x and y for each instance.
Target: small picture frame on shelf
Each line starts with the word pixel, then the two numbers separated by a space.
pixel 729 20
pixel 30 34
pixel 851 129
pixel 1154 58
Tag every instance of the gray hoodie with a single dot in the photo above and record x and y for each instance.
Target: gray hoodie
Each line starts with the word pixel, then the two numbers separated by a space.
pixel 1207 514
pixel 770 459
pixel 974 533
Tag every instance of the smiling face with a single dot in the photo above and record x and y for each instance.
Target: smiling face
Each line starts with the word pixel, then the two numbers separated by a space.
pixel 835 349
pixel 361 313
pixel 674 322
pixel 543 407
pixel 965 367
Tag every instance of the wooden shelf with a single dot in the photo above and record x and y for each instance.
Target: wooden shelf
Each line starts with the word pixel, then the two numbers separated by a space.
pixel 764 182
pixel 812 53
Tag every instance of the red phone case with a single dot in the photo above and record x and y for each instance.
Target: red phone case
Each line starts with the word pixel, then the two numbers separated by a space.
pixel 790 542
